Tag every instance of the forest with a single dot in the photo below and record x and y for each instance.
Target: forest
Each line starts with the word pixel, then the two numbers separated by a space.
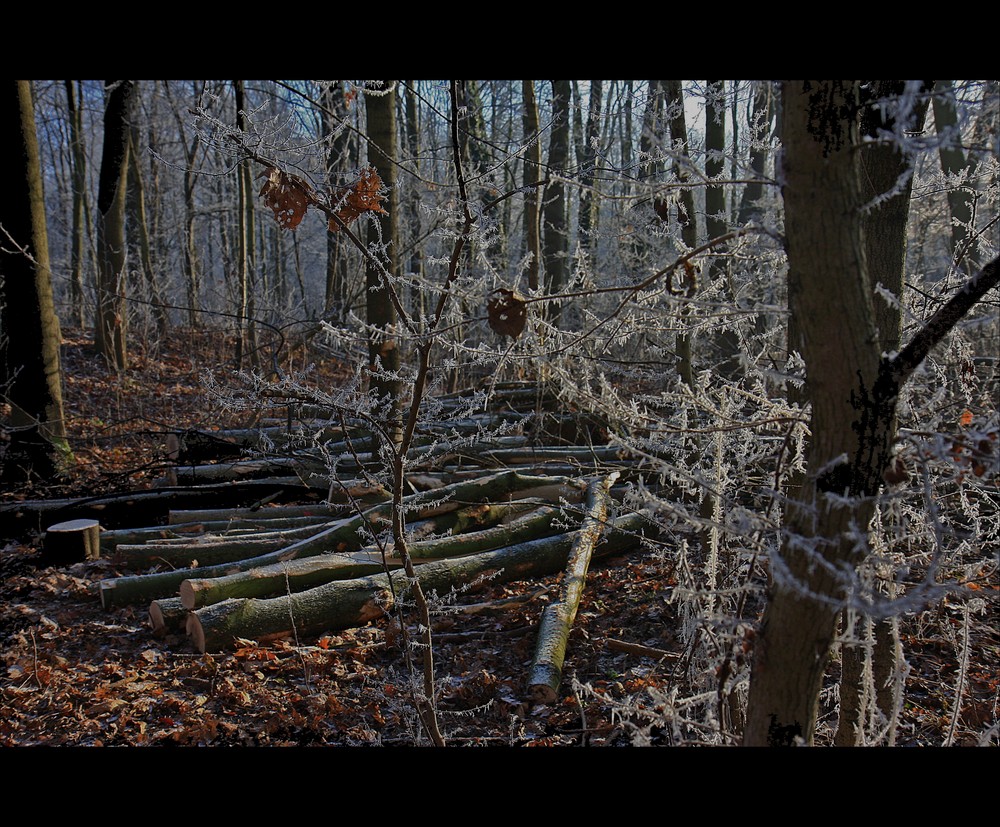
pixel 500 413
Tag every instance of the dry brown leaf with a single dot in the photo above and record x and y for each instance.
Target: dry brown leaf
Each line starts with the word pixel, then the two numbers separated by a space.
pixel 508 312
pixel 364 196
pixel 288 196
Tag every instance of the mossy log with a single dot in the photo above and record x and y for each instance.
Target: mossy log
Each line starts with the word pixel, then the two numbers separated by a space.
pixel 342 535
pixel 299 575
pixel 343 604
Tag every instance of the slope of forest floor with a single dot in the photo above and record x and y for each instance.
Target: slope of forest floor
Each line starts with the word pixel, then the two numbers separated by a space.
pixel 74 674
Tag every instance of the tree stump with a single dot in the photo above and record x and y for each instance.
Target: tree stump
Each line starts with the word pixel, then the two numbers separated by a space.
pixel 72 541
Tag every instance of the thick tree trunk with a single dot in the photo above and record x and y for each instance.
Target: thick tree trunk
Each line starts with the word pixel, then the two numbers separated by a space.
pixel 29 344
pixel 884 171
pixel 828 287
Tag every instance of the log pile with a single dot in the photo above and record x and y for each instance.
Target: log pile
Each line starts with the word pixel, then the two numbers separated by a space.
pixel 503 496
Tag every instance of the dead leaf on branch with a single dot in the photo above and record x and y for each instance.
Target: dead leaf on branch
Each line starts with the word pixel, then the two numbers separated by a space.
pixel 287 195
pixel 364 196
pixel 508 312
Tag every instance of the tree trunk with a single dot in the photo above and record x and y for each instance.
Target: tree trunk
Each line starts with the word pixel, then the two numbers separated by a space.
pixel 589 203
pixel 964 251
pixel 828 289
pixel 685 213
pixel 383 346
pixel 884 226
pixel 78 157
pixel 31 376
pixel 532 174
pixel 555 214
pixel 112 312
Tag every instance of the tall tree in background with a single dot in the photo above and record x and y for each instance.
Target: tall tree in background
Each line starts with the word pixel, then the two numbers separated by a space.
pixel 246 336
pixel 555 215
pixel 958 171
pixel 192 275
pixel 532 174
pixel 112 321
pixel 341 156
pixel 78 164
pixel 383 345
pixel 29 329
pixel 686 216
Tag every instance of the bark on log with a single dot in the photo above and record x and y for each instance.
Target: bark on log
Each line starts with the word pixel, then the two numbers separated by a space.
pixel 167 616
pixel 558 617
pixel 316 511
pixel 346 603
pixel 300 575
pixel 343 534
pixel 72 541
pixel 142 507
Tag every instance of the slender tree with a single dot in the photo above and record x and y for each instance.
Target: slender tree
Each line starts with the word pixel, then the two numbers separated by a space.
pixel 78 165
pixel 532 174
pixel 29 329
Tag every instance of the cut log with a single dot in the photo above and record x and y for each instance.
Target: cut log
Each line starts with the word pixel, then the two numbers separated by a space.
pixel 143 507
pixel 167 616
pixel 346 603
pixel 558 617
pixel 300 575
pixel 343 535
pixel 72 541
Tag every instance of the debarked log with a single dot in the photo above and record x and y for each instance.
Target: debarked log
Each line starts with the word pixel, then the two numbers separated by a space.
pixel 558 617
pixel 346 603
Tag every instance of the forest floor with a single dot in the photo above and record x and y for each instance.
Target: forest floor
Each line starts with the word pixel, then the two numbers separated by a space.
pixel 75 674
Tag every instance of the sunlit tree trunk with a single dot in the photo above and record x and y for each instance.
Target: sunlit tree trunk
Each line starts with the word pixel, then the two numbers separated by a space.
pixel 139 226
pixel 31 378
pixel 246 338
pixel 192 276
pixel 112 312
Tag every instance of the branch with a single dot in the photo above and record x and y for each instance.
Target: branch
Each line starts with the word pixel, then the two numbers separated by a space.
pixel 896 370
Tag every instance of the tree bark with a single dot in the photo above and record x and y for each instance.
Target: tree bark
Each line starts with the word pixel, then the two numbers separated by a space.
pixel 346 603
pixel 558 617
pixel 555 232
pixel 532 174
pixel 78 157
pixel 31 378
pixel 112 312
pixel 884 170
pixel 383 345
